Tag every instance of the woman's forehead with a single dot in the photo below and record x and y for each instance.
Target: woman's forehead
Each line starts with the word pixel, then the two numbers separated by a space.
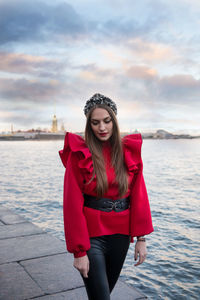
pixel 99 113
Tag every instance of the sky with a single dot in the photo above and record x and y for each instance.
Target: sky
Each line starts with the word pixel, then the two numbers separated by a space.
pixel 144 55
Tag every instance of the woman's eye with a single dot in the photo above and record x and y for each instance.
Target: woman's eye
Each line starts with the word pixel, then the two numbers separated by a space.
pixel 96 122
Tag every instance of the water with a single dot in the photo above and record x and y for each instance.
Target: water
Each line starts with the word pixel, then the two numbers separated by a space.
pixel 31 184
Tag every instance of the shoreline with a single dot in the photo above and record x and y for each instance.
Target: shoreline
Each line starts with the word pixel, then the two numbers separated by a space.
pixel 53 137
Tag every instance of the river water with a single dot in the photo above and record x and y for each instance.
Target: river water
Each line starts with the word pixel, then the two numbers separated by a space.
pixel 31 183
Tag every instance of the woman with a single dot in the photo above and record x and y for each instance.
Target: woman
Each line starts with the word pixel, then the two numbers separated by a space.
pixel 105 198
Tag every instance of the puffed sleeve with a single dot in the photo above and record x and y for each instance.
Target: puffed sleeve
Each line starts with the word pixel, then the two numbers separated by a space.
pixel 75 226
pixel 140 213
pixel 141 221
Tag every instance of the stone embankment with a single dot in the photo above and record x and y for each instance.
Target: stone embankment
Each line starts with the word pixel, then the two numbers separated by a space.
pixel 36 265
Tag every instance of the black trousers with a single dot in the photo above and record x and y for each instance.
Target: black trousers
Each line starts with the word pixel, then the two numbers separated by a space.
pixel 106 258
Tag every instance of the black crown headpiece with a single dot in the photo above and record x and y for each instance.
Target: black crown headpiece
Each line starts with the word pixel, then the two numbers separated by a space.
pixel 99 99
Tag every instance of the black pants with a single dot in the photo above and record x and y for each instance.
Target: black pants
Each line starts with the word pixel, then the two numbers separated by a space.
pixel 106 257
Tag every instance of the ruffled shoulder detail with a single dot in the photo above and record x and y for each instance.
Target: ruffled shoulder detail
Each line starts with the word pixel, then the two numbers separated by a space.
pixel 75 143
pixel 132 151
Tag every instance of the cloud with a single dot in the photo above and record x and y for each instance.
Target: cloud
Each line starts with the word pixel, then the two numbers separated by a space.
pixel 23 20
pixel 137 83
pixel 144 55
pixel 22 117
pixel 141 72
pixel 28 91
pixel 6 115
pixel 95 73
pixel 181 88
pixel 36 20
pixel 20 63
pixel 126 20
pixel 150 52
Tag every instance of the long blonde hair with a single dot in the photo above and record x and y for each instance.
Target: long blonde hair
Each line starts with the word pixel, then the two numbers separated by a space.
pixel 117 157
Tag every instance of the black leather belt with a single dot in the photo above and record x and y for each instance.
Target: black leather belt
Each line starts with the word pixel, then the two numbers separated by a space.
pixel 106 204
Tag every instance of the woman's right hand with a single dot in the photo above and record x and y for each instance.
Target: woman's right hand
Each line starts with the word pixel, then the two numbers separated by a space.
pixel 82 265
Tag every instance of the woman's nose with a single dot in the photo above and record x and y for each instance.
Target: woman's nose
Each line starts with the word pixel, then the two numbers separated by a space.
pixel 101 126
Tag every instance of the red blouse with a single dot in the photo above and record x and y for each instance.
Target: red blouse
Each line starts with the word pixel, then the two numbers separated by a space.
pixel 80 222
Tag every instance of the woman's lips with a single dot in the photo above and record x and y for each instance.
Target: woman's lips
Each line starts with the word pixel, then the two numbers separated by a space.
pixel 102 134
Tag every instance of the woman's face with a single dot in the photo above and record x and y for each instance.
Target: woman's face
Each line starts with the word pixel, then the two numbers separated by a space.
pixel 101 124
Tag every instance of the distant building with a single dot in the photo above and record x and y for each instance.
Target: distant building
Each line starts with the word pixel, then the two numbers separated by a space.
pixel 62 127
pixel 163 134
pixel 54 124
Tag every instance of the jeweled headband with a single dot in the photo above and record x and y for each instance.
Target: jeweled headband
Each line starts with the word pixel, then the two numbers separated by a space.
pixel 99 99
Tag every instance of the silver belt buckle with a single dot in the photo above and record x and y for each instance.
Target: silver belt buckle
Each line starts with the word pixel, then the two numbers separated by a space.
pixel 112 205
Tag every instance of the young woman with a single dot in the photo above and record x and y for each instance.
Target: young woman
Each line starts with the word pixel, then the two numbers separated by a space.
pixel 105 198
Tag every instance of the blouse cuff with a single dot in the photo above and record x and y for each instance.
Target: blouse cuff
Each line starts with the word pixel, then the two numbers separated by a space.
pixel 79 254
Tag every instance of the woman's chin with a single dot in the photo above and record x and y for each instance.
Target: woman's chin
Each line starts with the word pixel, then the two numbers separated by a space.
pixel 103 138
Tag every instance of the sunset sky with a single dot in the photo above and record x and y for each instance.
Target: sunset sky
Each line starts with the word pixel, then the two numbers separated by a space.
pixel 145 55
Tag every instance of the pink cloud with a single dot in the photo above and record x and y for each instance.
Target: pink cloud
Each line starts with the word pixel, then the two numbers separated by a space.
pixel 181 80
pixel 23 63
pixel 150 52
pixel 28 90
pixel 141 72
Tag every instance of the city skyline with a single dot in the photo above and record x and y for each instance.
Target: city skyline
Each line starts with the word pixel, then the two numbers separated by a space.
pixel 58 127
pixel 144 55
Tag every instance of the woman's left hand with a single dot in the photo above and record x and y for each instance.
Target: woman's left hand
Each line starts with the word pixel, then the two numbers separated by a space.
pixel 141 249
